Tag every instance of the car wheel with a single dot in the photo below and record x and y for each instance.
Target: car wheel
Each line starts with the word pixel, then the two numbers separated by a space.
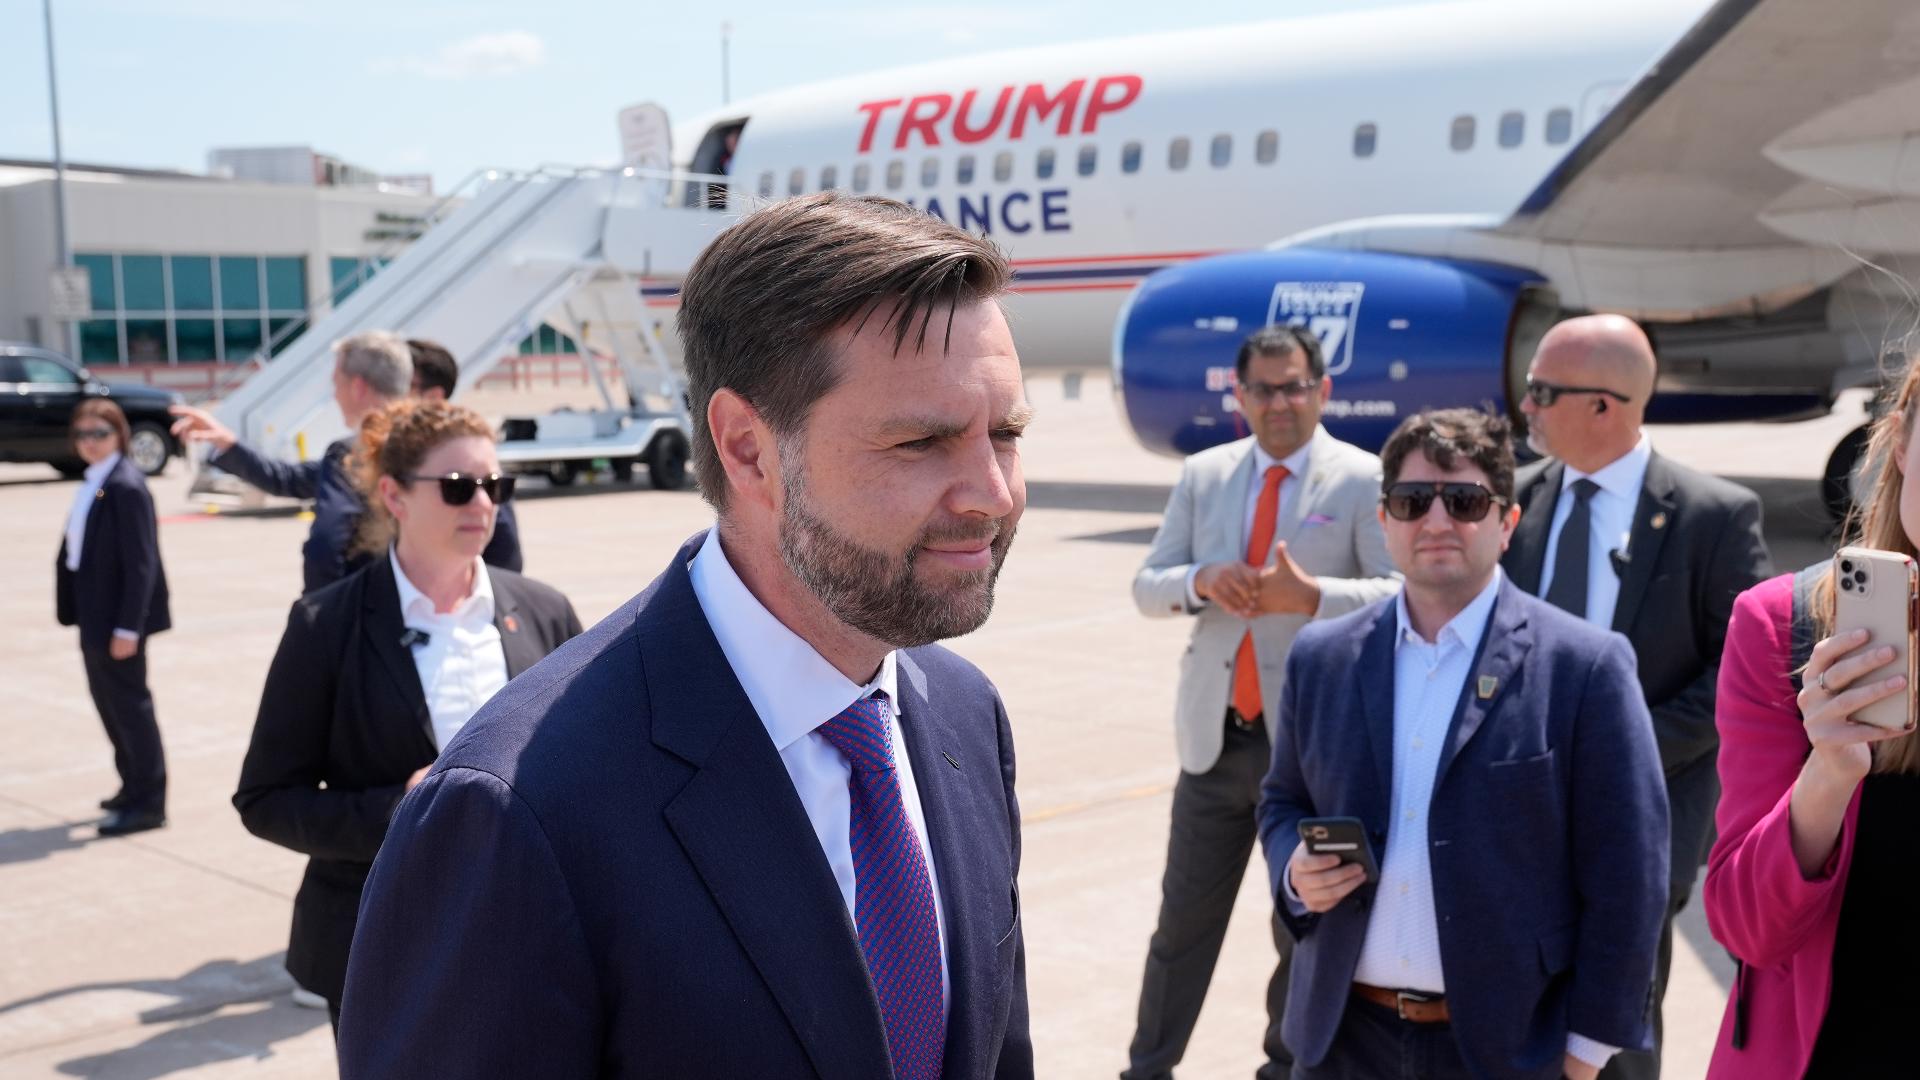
pixel 148 448
pixel 562 473
pixel 667 465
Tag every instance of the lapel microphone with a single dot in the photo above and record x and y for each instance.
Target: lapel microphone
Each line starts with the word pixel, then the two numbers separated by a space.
pixel 1620 560
pixel 414 637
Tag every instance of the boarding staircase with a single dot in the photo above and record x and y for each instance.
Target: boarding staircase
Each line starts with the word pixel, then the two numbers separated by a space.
pixel 555 244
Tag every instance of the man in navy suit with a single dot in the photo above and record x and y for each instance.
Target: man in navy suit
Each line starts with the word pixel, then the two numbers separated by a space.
pixel 756 823
pixel 1500 759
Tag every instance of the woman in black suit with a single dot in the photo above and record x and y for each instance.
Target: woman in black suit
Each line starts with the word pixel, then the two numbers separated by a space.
pixel 377 671
pixel 108 581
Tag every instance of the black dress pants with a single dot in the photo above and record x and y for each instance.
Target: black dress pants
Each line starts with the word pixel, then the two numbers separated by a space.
pixel 120 693
pixel 1375 1044
pixel 1213 834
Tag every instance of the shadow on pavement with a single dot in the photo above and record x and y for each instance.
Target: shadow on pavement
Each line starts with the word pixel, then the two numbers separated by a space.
pixel 27 845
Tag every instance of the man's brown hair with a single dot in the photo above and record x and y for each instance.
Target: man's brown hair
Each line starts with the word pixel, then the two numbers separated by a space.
pixel 108 413
pixel 1445 436
pixel 761 301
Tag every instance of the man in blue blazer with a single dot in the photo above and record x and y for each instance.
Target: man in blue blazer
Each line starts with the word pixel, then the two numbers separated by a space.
pixel 755 823
pixel 1500 759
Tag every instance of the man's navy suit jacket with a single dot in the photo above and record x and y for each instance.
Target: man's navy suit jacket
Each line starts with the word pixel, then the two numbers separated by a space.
pixel 337 507
pixel 609 874
pixel 1548 831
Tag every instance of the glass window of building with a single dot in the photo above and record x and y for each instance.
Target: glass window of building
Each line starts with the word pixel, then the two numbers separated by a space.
pixel 239 283
pixel 287 284
pixel 1003 166
pixel 1177 153
pixel 829 177
pixel 101 280
pixel 195 341
pixel 1559 126
pixel 100 341
pixel 963 169
pixel 192 282
pixel 930 172
pixel 146 341
pixel 1366 138
pixel 862 177
pixel 1221 151
pixel 143 283
pixel 1089 159
pixel 1043 164
pixel 1460 136
pixel 796 180
pixel 1130 156
pixel 1513 128
pixel 896 175
pixel 1266 147
pixel 240 338
pixel 173 309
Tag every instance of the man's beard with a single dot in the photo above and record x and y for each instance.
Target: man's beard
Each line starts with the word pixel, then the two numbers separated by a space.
pixel 878 594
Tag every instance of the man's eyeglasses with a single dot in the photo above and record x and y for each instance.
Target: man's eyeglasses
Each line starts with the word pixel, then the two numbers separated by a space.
pixel 1296 391
pixel 1409 500
pixel 457 489
pixel 1544 394
pixel 92 434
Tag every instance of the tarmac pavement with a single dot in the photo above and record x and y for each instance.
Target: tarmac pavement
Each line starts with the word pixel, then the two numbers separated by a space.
pixel 159 955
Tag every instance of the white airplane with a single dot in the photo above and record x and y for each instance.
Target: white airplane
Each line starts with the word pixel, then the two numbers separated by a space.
pixel 1428 186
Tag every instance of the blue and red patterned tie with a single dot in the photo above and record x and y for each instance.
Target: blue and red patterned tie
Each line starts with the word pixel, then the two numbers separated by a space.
pixel 892 895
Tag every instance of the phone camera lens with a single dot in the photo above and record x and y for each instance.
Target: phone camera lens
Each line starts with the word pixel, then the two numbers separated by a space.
pixel 1860 576
pixel 1846 584
pixel 1846 566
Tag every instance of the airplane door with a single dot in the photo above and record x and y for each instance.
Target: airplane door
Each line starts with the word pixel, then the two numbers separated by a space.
pixel 1598 101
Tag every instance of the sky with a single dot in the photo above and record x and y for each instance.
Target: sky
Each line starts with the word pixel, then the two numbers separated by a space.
pixel 445 87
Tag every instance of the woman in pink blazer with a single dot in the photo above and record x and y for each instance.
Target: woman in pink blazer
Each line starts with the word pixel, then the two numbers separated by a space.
pixel 1809 884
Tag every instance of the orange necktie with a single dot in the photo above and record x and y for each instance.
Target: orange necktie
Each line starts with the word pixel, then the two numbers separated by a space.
pixel 1266 518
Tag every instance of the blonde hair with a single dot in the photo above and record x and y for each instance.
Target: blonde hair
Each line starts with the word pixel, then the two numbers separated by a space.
pixel 394 440
pixel 1875 523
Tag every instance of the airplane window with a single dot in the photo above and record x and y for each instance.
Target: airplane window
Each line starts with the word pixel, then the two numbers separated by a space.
pixel 829 178
pixel 1003 166
pixel 1130 156
pixel 963 169
pixel 1177 151
pixel 1221 152
pixel 766 185
pixel 1043 164
pixel 1513 128
pixel 930 172
pixel 862 177
pixel 1365 138
pixel 896 174
pixel 1462 136
pixel 1266 147
pixel 796 181
pixel 1559 126
pixel 1089 157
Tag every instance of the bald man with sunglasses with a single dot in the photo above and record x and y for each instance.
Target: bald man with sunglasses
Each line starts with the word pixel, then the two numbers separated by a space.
pixel 1628 540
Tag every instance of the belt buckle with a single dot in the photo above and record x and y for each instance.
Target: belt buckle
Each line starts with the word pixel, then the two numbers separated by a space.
pixel 1239 721
pixel 1400 999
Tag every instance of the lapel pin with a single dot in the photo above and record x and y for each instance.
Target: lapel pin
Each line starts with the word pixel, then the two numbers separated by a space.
pixel 1488 684
pixel 1659 520
pixel 512 624
pixel 99 493
pixel 949 758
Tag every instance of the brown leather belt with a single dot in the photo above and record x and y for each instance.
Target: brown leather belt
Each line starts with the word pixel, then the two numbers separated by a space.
pixel 1407 1005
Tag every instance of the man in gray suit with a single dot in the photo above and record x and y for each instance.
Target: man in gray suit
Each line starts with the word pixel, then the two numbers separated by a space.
pixel 1260 537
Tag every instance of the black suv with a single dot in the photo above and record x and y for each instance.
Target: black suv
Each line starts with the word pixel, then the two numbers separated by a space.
pixel 38 392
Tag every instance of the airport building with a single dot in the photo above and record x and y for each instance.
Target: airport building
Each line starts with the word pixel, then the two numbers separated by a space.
pixel 189 269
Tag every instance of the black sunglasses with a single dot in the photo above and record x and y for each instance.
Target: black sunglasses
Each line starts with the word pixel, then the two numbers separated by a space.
pixel 1544 394
pixel 457 490
pixel 1409 500
pixel 92 434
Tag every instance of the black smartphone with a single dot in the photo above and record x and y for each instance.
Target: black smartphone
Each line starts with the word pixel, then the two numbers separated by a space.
pixel 1342 836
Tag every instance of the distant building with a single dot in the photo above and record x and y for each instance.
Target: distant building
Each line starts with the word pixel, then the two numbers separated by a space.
pixel 191 269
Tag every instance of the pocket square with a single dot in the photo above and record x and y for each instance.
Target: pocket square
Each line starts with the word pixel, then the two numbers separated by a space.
pixel 1318 519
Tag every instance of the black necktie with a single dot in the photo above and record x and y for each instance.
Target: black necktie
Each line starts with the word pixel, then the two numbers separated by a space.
pixel 1568 590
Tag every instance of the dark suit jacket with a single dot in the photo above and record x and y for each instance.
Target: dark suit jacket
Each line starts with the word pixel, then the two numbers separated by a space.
pixel 1548 828
pixel 1695 545
pixel 325 558
pixel 343 707
pixel 609 874
pixel 120 584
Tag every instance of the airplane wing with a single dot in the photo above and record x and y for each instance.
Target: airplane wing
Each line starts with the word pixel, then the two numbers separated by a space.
pixel 1766 156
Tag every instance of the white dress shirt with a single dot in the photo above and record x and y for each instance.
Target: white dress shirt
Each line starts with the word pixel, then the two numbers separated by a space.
pixel 1296 464
pixel 1402 946
pixel 90 483
pixel 462 664
pixel 1611 509
pixel 795 690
